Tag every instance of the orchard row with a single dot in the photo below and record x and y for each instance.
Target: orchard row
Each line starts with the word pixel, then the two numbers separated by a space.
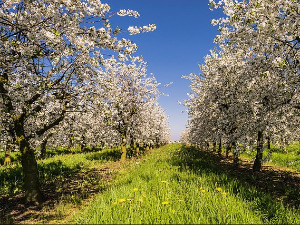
pixel 66 78
pixel 248 91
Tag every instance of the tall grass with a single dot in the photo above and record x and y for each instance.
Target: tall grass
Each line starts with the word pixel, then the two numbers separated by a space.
pixel 59 166
pixel 276 156
pixel 176 185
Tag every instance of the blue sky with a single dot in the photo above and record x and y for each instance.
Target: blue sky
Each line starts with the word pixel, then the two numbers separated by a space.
pixel 183 37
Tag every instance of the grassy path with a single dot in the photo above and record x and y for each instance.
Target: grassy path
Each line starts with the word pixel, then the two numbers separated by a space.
pixel 180 185
pixel 173 184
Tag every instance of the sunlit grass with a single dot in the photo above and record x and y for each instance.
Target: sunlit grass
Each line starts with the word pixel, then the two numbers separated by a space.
pixel 287 159
pixel 171 187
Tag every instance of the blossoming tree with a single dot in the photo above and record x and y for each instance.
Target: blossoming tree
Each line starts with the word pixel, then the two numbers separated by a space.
pixel 250 86
pixel 50 52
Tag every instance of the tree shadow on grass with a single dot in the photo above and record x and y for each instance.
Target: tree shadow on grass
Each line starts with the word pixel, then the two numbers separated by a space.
pixel 59 183
pixel 113 155
pixel 267 189
pixel 10 179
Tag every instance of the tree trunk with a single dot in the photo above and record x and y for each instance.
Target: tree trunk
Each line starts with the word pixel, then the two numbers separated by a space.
pixel 43 148
pixel 207 146
pixel 102 145
pixel 214 146
pixel 228 149
pixel 31 176
pixel 70 144
pixel 131 151
pixel 259 154
pixel 235 153
pixel 137 149
pixel 31 183
pixel 220 147
pixel 269 142
pixel 156 142
pixel 44 145
pixel 7 159
pixel 83 144
pixel 93 147
pixel 123 149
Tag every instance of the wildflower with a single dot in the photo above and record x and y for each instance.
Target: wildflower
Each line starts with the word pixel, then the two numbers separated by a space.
pixel 163 181
pixel 202 190
pixel 114 203
pixel 135 189
pixel 165 203
pixel 130 199
pixel 219 189
pixel 122 200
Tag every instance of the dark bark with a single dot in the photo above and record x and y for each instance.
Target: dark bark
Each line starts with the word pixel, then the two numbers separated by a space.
pixel 43 148
pixel 30 176
pixel 220 147
pixel 207 146
pixel 235 153
pixel 156 142
pixel 228 149
pixel 8 106
pixel 70 144
pixel 131 150
pixel 44 145
pixel 33 193
pixel 269 142
pixel 259 152
pixel 93 147
pixel 83 144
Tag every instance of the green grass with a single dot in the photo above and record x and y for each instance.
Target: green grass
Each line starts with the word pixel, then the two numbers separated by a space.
pixel 74 150
pixel 56 167
pixel 289 159
pixel 14 157
pixel 180 185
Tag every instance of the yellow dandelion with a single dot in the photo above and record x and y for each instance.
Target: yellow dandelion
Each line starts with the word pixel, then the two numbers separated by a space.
pixel 164 181
pixel 122 200
pixel 202 190
pixel 165 203
pixel 135 189
pixel 114 203
pixel 130 199
pixel 219 189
